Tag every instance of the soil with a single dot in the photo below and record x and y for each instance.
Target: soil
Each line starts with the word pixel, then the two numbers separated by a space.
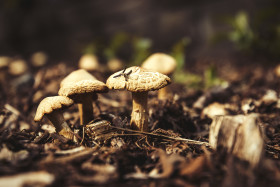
pixel 107 152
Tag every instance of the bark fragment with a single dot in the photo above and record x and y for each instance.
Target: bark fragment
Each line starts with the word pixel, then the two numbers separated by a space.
pixel 238 135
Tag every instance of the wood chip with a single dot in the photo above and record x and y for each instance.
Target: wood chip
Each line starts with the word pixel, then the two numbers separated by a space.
pixel 238 135
pixel 30 179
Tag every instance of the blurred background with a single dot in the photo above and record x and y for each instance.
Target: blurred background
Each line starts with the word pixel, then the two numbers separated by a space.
pixel 131 30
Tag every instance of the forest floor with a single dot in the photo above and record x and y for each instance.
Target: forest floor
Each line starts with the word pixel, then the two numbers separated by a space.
pixel 108 152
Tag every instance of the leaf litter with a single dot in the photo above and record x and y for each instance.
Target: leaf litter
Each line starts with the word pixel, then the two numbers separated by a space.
pixel 107 152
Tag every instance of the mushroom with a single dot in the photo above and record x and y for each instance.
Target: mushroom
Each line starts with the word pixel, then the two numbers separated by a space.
pixel 4 65
pixel 52 108
pixel 18 67
pixel 82 87
pixel 115 64
pixel 161 63
pixel 39 59
pixel 138 81
pixel 89 62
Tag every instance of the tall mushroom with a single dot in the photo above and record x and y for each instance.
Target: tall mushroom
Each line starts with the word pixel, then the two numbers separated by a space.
pixel 82 87
pixel 52 108
pixel 161 63
pixel 138 81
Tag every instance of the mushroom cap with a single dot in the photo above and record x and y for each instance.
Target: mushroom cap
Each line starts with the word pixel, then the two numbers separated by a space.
pixel 115 64
pixel 160 62
pixel 89 62
pixel 39 59
pixel 4 61
pixel 18 67
pixel 77 76
pixel 81 82
pixel 138 80
pixel 49 104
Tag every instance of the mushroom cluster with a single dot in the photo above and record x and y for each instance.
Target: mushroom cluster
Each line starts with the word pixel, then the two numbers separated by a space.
pixel 78 87
pixel 81 87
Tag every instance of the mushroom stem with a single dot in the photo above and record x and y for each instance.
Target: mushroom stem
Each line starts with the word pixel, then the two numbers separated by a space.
pixel 139 115
pixel 60 125
pixel 86 110
pixel 163 93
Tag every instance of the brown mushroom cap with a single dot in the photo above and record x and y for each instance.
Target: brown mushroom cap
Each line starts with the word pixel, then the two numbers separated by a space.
pixel 81 82
pixel 138 80
pixel 49 104
pixel 160 62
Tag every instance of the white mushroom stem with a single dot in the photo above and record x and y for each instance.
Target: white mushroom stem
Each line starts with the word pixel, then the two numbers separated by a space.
pixel 86 109
pixel 139 115
pixel 57 119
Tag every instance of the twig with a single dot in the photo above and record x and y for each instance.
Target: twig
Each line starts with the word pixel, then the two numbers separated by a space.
pixel 83 136
pixel 16 112
pixel 107 126
pixel 189 141
pixel 272 147
pixel 70 151
pixel 70 158
pixel 12 109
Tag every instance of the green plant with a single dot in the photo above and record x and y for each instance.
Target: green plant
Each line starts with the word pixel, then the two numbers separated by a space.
pixel 211 78
pixel 241 34
pixel 89 48
pixel 141 49
pixel 178 52
pixel 188 79
pixel 258 34
pixel 116 43
pixel 181 76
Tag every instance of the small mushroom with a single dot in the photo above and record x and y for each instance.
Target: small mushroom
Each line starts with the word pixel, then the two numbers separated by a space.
pixel 89 62
pixel 138 81
pixel 4 65
pixel 39 59
pixel 82 87
pixel 52 108
pixel 115 64
pixel 277 70
pixel 161 63
pixel 18 67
